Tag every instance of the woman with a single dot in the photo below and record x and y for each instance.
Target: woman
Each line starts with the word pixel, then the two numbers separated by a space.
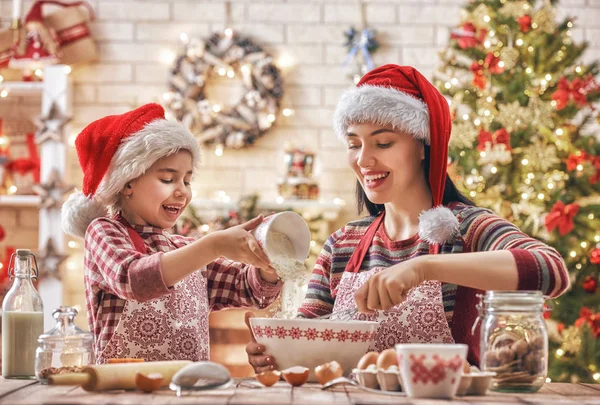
pixel 398 265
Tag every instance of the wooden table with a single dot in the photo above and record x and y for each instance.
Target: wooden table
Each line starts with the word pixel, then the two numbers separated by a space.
pixel 17 392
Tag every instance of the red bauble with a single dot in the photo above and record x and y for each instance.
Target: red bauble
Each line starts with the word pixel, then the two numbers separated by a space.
pixel 590 285
pixel 595 256
pixel 524 23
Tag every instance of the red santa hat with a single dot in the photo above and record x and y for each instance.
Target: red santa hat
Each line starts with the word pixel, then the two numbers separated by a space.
pixel 114 150
pixel 403 98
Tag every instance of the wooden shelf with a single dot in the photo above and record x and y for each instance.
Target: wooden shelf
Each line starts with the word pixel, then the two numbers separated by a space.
pixel 23 88
pixel 20 201
pixel 329 209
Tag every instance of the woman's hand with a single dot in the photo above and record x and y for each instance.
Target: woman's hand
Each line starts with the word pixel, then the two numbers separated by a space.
pixel 238 244
pixel 256 353
pixel 389 287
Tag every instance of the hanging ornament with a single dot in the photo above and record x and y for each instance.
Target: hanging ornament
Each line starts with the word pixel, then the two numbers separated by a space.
pixel 514 9
pixel 499 137
pixel 590 285
pixel 52 125
pixel 595 255
pixel 360 45
pixel 53 191
pixel 467 36
pixel 25 171
pixel 49 261
pixel 544 18
pixel 571 342
pixel 542 155
pixel 509 56
pixel 481 16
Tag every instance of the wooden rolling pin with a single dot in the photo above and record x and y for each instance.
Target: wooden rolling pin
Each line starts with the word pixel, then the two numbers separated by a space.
pixel 119 376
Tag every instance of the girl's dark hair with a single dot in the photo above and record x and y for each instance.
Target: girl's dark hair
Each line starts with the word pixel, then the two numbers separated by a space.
pixel 451 193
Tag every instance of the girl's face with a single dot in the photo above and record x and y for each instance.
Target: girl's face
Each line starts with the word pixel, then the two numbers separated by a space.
pixel 387 163
pixel 158 197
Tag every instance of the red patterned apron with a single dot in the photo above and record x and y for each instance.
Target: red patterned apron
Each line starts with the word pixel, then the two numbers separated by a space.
pixel 419 319
pixel 172 327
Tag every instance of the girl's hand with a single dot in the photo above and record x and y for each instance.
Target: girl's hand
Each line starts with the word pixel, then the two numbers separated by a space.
pixel 238 244
pixel 389 287
pixel 256 353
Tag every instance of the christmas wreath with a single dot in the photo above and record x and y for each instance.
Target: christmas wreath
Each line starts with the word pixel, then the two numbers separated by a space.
pixel 226 54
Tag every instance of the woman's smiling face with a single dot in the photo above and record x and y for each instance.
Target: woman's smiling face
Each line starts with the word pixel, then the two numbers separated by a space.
pixel 387 163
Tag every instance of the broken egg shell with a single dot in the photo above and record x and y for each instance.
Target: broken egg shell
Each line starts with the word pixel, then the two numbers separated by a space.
pixel 328 371
pixel 367 359
pixel 268 378
pixel 148 382
pixel 296 376
pixel 386 359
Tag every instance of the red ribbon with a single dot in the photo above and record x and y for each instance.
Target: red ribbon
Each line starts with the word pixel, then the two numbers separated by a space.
pixel 586 316
pixel 467 37
pixel 29 164
pixel 576 90
pixel 492 63
pixel 524 23
pixel 501 136
pixel 73 34
pixel 479 79
pixel 562 216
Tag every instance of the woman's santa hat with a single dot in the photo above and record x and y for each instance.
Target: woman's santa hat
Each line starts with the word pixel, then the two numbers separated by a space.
pixel 114 150
pixel 403 98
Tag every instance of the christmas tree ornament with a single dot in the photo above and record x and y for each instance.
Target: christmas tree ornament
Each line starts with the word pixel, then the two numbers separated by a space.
pixel 509 57
pixel 52 125
pixel 481 16
pixel 544 18
pixel 468 36
pixel 49 260
pixel 590 285
pixel 221 57
pixel 540 112
pixel 463 135
pixel 571 342
pixel 513 117
pixel 542 156
pixel 360 45
pixel 595 256
pixel 514 9
pixel 524 23
pixel 53 191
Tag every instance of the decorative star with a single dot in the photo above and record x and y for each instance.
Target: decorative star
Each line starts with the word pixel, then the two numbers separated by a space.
pixel 51 127
pixel 49 261
pixel 53 191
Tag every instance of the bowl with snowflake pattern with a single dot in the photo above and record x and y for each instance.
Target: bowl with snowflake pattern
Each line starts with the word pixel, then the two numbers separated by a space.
pixel 311 342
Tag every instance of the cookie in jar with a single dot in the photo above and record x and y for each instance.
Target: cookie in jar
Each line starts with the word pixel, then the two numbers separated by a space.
pixel 514 340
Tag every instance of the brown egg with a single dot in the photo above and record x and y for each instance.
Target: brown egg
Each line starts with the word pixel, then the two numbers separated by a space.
pixel 466 367
pixel 148 382
pixel 386 359
pixel 296 376
pixel 328 371
pixel 366 360
pixel 268 378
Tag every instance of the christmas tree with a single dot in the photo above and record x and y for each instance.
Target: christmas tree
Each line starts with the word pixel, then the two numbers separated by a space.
pixel 525 144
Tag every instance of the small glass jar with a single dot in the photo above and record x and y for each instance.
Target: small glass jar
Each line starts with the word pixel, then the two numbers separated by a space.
pixel 514 340
pixel 63 349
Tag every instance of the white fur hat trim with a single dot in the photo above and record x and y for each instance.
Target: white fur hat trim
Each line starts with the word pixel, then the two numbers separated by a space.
pixel 382 106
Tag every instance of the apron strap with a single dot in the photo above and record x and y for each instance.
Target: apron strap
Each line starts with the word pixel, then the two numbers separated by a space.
pixel 361 250
pixel 136 239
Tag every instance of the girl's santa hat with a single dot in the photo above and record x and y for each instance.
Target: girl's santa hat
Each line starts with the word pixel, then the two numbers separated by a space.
pixel 403 98
pixel 114 150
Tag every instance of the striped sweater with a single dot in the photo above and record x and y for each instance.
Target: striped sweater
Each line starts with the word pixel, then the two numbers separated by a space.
pixel 540 267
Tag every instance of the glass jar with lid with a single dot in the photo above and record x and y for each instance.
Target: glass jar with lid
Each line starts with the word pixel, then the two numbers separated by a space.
pixel 63 349
pixel 514 340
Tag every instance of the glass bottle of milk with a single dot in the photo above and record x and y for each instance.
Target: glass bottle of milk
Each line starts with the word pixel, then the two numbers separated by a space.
pixel 22 318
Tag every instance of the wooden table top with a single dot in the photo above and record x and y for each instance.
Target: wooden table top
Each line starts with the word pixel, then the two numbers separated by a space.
pixel 19 392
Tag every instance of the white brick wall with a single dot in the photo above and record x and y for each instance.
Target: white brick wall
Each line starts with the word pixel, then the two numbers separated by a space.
pixel 134 36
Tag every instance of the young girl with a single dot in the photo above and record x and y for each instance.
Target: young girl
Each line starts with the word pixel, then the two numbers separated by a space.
pixel 417 263
pixel 149 292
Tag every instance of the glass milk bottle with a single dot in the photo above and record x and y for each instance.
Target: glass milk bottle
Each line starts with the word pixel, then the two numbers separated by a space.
pixel 22 318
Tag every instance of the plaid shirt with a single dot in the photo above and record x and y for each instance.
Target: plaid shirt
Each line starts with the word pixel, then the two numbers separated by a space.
pixel 116 272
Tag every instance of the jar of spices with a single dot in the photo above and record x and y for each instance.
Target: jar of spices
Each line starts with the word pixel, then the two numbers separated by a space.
pixel 514 340
pixel 63 349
